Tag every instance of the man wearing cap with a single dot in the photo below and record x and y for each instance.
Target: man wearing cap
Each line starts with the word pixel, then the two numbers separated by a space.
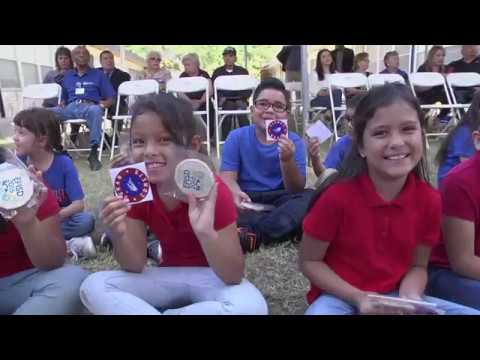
pixel 231 100
pixel 86 92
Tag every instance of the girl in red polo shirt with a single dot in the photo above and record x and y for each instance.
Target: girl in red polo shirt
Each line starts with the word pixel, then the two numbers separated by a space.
pixel 33 279
pixel 454 271
pixel 373 229
pixel 203 264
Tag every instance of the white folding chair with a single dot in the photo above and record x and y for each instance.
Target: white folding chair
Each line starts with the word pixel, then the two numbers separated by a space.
pixel 343 81
pixel 431 79
pixel 230 83
pixel 130 88
pixel 42 92
pixel 187 85
pixel 382 79
pixel 463 80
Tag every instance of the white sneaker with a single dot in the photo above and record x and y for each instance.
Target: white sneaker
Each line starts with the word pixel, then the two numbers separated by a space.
pixel 81 247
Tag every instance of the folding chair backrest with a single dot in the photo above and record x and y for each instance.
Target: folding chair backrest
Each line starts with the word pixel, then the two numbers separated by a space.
pixel 235 82
pixel 382 79
pixel 465 79
pixel 138 87
pixel 426 79
pixel 348 80
pixel 187 84
pixel 42 91
pixel 293 86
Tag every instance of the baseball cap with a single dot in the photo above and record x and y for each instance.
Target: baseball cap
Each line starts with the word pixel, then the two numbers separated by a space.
pixel 230 50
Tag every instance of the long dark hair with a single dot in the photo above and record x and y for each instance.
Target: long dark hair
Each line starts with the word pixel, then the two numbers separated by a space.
pixel 41 122
pixel 319 67
pixel 62 50
pixel 428 61
pixel 470 119
pixel 376 98
pixel 176 115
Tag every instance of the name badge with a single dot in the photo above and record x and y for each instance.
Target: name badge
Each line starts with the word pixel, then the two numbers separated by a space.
pixel 79 91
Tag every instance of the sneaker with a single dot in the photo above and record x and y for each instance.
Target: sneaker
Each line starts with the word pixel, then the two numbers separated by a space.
pixel 95 164
pixel 248 239
pixel 105 241
pixel 154 251
pixel 81 247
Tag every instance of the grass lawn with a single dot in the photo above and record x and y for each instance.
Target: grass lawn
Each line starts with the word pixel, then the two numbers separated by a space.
pixel 273 270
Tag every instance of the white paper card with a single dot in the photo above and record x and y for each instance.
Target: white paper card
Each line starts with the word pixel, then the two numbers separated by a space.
pixel 131 182
pixel 320 131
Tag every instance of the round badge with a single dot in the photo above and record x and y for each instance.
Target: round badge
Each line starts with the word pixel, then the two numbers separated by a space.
pixel 132 184
pixel 16 188
pixel 194 177
pixel 276 129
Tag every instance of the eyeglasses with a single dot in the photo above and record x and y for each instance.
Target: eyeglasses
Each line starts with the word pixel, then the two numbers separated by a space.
pixel 155 58
pixel 264 105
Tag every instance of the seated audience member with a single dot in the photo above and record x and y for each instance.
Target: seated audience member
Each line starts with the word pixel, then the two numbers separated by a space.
pixel 86 93
pixel 38 142
pixel 370 229
pixel 434 63
pixel 199 101
pixel 392 65
pixel 116 77
pixel 34 279
pixel 454 272
pixel 155 72
pixel 360 65
pixel 470 62
pixel 268 172
pixel 231 100
pixel 201 271
pixel 319 81
pixel 63 63
pixel 339 150
pixel 458 146
pixel 343 58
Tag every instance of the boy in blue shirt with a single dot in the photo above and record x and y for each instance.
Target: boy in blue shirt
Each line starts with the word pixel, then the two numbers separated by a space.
pixel 269 172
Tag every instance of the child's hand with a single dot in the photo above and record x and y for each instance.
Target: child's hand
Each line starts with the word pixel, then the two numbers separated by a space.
pixel 286 148
pixel 114 213
pixel 202 213
pixel 239 198
pixel 314 148
pixel 366 306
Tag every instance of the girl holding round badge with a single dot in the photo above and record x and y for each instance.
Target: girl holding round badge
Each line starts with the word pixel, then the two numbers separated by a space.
pixel 33 277
pixel 203 265
pixel 372 230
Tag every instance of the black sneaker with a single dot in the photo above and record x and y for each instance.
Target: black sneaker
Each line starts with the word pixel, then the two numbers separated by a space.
pixel 95 164
pixel 154 251
pixel 248 239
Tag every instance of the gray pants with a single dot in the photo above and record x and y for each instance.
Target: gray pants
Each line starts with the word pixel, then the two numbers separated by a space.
pixel 36 292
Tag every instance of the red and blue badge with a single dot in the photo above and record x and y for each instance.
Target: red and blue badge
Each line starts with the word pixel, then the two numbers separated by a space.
pixel 131 182
pixel 276 128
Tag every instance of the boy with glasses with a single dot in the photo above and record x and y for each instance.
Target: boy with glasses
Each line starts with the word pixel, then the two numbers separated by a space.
pixel 264 171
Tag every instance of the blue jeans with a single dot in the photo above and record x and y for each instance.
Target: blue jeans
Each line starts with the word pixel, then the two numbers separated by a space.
pixel 446 284
pixel 327 304
pixel 77 225
pixel 169 291
pixel 37 292
pixel 286 219
pixel 91 112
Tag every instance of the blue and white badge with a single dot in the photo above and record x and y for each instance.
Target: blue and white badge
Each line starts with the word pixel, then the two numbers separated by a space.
pixel 80 91
pixel 131 182
pixel 16 187
pixel 276 128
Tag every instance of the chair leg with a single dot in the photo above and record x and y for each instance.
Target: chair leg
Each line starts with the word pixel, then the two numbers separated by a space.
pixel 112 149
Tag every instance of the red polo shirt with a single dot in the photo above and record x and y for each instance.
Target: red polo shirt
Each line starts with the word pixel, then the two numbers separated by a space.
pixel 13 256
pixel 372 241
pixel 180 246
pixel 460 193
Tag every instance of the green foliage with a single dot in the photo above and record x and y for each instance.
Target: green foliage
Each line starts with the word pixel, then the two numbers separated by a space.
pixel 210 56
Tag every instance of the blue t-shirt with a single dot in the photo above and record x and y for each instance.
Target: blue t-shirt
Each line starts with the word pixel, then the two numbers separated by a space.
pixel 461 145
pixel 62 178
pixel 257 164
pixel 338 152
pixel 95 84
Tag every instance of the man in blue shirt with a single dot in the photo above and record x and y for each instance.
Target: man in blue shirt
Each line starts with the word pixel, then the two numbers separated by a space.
pixel 264 171
pixel 86 92
pixel 392 65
